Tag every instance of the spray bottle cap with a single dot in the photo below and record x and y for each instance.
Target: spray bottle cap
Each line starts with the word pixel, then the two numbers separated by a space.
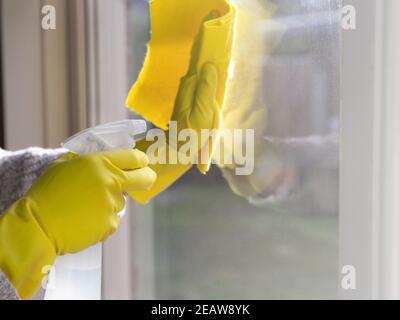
pixel 111 136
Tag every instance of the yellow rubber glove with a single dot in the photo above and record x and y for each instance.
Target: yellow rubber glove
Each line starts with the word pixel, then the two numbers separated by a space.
pixel 196 108
pixel 72 206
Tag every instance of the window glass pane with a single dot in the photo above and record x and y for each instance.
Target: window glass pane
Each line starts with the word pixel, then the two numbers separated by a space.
pixel 280 240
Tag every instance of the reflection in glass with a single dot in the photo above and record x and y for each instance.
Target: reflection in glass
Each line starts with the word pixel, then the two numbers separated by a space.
pixel 272 234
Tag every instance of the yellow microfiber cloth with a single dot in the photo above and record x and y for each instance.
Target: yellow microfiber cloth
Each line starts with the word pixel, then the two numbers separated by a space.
pixel 234 35
pixel 175 25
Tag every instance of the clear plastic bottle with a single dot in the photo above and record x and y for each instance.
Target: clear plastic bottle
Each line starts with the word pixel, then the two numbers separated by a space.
pixel 78 276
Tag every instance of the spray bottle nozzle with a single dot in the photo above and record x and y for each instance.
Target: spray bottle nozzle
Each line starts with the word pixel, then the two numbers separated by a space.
pixel 107 137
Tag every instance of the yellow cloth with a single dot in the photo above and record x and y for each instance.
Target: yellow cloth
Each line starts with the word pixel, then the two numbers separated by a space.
pixel 174 52
pixel 166 176
pixel 186 36
pixel 175 25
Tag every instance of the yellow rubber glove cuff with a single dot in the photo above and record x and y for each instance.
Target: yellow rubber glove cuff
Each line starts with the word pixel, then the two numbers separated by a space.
pixel 25 249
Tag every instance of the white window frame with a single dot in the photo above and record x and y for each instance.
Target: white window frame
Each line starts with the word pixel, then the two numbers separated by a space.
pixel 127 271
pixel 35 75
pixel 38 76
pixel 69 79
pixel 370 151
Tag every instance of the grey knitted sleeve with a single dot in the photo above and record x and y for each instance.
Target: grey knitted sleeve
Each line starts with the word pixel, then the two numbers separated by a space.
pixel 7 292
pixel 18 171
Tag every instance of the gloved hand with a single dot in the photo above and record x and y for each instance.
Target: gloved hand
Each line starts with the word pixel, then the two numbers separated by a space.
pixel 195 108
pixel 72 206
pixel 196 104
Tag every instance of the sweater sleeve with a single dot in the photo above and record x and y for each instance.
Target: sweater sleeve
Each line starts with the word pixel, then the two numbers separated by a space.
pixel 18 171
pixel 7 291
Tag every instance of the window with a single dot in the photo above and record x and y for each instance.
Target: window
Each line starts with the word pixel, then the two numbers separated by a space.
pixel 210 243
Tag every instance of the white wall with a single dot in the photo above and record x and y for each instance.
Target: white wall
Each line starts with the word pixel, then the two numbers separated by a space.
pixel 35 75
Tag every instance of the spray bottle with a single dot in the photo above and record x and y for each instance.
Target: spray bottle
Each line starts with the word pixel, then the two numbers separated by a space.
pixel 78 276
